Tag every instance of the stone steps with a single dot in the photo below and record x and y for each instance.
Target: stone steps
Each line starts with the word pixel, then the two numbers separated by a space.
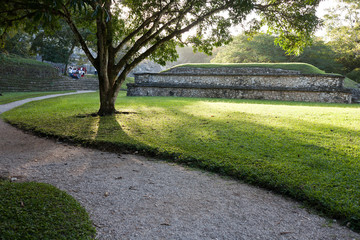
pixel 37 77
pixel 16 84
pixel 355 95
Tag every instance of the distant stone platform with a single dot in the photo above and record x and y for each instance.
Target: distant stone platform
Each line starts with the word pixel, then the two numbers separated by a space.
pixel 241 83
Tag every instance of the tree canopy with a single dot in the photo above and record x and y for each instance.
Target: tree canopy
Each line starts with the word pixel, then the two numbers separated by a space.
pixel 125 32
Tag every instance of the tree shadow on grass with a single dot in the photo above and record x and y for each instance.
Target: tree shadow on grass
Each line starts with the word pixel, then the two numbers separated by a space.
pixel 110 136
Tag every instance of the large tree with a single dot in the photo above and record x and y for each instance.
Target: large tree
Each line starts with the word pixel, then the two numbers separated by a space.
pixel 128 31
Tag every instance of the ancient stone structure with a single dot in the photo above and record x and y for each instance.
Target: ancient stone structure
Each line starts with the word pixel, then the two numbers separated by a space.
pixel 241 83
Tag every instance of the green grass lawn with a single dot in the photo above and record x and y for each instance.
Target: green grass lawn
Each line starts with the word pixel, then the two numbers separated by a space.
pixel 302 67
pixel 41 211
pixel 309 151
pixel 8 97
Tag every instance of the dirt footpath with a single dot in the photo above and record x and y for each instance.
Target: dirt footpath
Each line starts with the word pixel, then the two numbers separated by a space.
pixel 130 197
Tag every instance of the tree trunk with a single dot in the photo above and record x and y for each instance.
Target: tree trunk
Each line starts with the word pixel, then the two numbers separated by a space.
pixel 107 103
pixel 108 86
pixel 108 93
pixel 68 57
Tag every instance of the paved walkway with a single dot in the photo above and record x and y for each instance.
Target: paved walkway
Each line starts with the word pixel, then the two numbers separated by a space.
pixel 131 197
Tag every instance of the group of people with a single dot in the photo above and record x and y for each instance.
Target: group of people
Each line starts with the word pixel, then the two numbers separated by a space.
pixel 77 72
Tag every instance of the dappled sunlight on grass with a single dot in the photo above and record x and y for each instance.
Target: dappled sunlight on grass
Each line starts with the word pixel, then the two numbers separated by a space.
pixel 306 150
pixel 250 140
pixel 278 144
pixel 94 128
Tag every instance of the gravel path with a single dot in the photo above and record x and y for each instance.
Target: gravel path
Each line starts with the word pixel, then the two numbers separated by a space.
pixel 131 197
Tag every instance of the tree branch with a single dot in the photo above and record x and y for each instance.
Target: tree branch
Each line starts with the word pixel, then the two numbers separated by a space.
pixel 153 48
pixel 142 26
pixel 146 38
pixel 79 38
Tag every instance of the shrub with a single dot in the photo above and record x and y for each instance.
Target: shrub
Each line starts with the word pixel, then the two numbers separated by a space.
pixel 354 75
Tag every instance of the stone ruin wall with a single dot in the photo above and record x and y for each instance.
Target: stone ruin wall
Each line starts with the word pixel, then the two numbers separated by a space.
pixel 302 96
pixel 241 83
pixel 317 82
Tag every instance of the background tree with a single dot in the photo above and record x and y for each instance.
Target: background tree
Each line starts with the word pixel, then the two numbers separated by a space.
pixel 261 48
pixel 55 46
pixel 58 44
pixel 343 31
pixel 18 43
pixel 128 31
pixel 321 55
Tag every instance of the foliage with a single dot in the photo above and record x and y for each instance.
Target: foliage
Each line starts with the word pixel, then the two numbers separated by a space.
pixel 343 28
pixel 309 151
pixel 40 211
pixel 302 67
pixel 128 80
pixel 56 46
pixel 321 55
pixel 51 49
pixel 354 75
pixel 17 44
pixel 261 49
pixel 128 31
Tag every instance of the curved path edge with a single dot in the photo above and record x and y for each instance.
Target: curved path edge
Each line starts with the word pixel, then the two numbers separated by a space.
pixel 9 106
pixel 132 197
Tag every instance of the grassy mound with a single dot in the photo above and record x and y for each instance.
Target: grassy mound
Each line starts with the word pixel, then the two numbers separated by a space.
pixel 41 211
pixel 18 69
pixel 302 67
pixel 354 75
pixel 348 83
pixel 11 60
pixel 309 151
